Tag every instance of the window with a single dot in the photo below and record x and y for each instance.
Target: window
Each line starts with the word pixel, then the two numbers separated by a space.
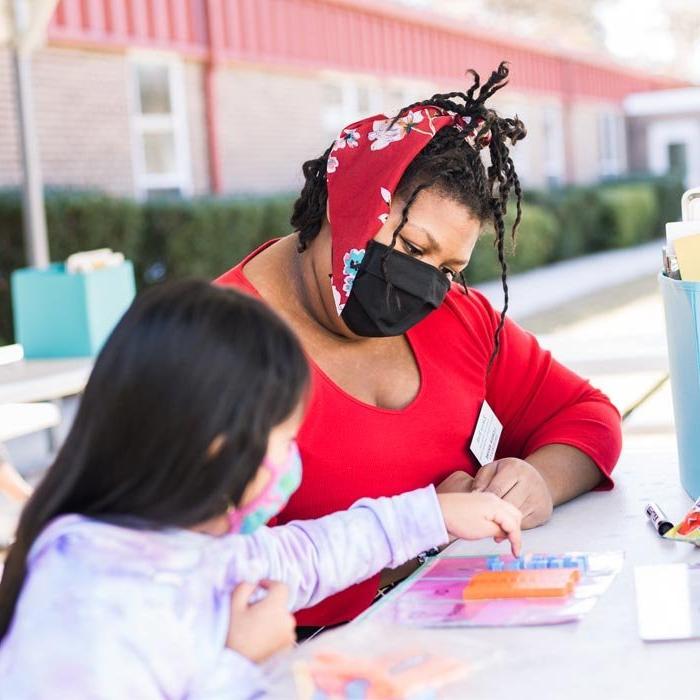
pixel 398 96
pixel 159 126
pixel 347 101
pixel 611 144
pixel 394 99
pixel 673 145
pixel 554 159
pixel 678 160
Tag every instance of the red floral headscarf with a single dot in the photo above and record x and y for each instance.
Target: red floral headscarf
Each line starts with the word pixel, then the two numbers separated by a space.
pixel 364 168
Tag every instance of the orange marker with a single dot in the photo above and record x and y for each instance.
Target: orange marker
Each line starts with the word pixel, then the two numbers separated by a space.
pixel 539 583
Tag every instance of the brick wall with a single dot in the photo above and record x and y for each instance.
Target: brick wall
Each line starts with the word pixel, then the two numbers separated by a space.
pixel 9 146
pixel 196 125
pixel 585 144
pixel 526 153
pixel 269 124
pixel 83 119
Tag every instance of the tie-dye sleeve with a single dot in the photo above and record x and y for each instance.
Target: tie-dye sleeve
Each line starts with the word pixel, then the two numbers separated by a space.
pixel 317 558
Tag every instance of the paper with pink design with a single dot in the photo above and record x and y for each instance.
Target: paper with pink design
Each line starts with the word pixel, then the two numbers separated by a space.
pixel 433 596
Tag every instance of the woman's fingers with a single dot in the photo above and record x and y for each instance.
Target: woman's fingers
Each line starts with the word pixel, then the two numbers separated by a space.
pixel 457 482
pixel 519 497
pixel 504 479
pixel 484 476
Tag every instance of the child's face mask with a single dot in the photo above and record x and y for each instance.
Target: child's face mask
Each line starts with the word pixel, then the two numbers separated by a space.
pixel 285 478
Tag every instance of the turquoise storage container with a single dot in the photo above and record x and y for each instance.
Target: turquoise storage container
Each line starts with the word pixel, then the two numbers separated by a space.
pixel 57 314
pixel 682 311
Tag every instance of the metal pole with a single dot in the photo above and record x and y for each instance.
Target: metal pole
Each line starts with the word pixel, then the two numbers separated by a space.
pixel 33 214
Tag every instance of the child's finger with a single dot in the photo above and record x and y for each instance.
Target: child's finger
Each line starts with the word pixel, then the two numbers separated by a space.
pixel 516 544
pixel 241 595
pixel 510 525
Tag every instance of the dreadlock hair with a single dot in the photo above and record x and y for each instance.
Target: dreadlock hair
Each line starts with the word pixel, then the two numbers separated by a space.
pixel 449 165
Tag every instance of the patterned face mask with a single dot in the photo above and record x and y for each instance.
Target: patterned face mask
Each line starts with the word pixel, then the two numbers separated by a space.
pixel 285 478
pixel 416 289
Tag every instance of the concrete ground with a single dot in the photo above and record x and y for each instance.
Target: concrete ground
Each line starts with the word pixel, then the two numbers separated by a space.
pixel 602 316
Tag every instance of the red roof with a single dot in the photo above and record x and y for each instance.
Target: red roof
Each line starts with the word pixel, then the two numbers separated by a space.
pixel 360 36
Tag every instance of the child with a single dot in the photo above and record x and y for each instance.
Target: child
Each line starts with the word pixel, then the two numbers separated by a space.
pixel 122 582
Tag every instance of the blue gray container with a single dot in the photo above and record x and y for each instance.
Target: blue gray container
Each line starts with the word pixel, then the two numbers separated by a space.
pixel 58 314
pixel 682 310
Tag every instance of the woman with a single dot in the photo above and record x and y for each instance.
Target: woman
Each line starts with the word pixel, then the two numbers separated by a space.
pixel 402 359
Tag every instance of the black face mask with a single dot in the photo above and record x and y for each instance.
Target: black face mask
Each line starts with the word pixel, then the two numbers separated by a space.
pixel 379 307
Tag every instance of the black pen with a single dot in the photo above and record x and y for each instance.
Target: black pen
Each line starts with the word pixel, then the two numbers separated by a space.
pixel 658 519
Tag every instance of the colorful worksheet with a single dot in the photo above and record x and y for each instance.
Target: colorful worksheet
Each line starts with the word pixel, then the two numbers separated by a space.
pixel 442 594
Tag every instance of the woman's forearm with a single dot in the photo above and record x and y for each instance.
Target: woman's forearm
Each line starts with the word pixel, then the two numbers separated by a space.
pixel 567 471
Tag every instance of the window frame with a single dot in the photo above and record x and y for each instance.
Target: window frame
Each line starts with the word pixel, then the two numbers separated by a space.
pixel 174 122
pixel 612 161
pixel 335 117
pixel 553 130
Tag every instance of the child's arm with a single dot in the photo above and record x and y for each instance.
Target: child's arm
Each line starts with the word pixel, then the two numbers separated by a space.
pixel 317 558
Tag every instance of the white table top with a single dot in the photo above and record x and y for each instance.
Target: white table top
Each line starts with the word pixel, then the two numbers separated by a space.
pixel 18 419
pixel 602 656
pixel 43 380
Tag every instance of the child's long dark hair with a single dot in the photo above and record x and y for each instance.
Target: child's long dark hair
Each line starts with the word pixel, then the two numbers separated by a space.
pixel 187 363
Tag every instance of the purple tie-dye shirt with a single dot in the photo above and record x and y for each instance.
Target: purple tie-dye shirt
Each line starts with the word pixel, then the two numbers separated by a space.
pixel 110 612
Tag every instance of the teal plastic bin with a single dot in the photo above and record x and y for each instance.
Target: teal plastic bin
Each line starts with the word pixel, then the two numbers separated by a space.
pixel 58 314
pixel 682 310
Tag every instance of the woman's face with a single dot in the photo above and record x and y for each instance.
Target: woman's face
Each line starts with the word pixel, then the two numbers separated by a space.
pixel 439 231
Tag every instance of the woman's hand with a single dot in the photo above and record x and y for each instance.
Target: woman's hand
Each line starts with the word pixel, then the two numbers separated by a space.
pixel 473 516
pixel 457 482
pixel 519 483
pixel 259 630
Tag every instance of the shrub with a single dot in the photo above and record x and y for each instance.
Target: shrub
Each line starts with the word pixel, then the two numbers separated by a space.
pixel 205 236
pixel 631 214
pixel 535 245
pixel 76 220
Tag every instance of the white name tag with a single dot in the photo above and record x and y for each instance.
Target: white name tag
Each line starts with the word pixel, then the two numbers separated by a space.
pixel 486 435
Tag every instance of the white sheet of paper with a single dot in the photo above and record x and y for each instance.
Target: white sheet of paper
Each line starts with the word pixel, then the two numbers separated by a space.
pixel 668 601
pixel 486 435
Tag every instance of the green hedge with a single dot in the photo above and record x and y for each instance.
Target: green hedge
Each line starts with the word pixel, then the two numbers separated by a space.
pixel 76 221
pixel 610 215
pixel 535 245
pixel 205 236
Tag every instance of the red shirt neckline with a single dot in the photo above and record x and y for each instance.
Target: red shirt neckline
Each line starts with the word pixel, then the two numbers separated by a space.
pixel 317 369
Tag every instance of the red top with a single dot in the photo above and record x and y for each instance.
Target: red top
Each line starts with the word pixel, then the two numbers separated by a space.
pixel 352 450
